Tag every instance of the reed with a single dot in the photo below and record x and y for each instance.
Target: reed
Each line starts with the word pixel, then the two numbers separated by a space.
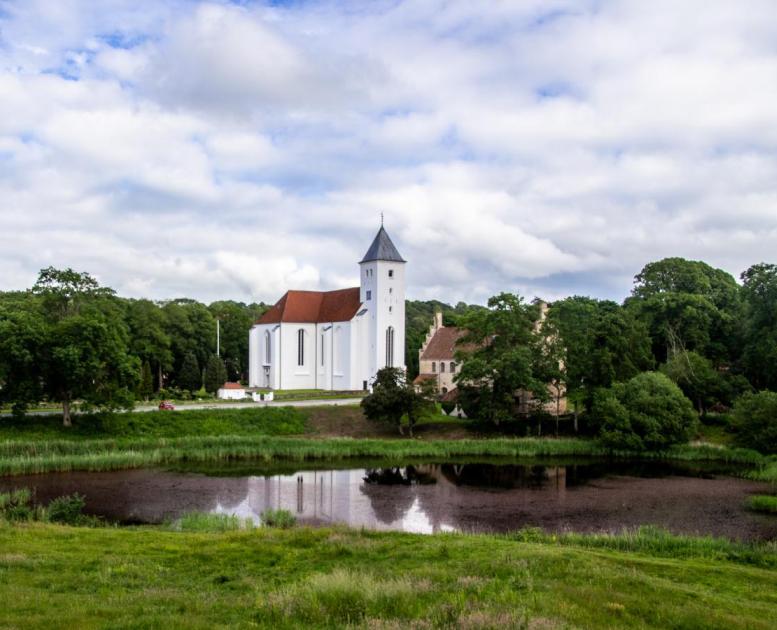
pixel 764 503
pixel 29 457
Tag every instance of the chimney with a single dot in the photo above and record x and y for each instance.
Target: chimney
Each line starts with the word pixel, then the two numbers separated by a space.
pixel 438 320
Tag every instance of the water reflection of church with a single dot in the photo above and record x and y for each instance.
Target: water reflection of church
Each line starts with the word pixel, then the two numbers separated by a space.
pixel 426 498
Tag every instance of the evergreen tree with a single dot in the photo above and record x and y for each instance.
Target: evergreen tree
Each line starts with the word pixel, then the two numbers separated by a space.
pixel 215 374
pixel 190 376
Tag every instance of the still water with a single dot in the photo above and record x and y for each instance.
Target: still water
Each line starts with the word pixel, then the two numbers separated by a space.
pixel 432 497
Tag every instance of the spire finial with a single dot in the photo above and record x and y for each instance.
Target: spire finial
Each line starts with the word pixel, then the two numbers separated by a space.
pixel 381 219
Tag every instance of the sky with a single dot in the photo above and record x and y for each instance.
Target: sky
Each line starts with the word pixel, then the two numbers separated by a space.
pixel 234 150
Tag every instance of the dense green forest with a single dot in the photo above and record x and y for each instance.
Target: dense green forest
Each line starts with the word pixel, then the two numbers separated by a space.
pixel 68 339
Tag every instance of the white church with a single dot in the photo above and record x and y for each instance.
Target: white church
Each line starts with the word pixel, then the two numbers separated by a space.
pixel 335 340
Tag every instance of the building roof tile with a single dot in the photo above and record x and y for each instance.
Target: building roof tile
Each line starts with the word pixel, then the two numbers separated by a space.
pixel 382 249
pixel 303 307
pixel 442 346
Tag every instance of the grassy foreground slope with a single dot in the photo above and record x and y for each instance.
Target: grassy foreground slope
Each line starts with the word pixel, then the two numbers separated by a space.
pixel 52 576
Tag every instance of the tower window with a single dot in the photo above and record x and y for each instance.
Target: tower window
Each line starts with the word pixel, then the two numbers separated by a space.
pixel 390 307
pixel 369 295
pixel 391 273
pixel 300 347
pixel 390 346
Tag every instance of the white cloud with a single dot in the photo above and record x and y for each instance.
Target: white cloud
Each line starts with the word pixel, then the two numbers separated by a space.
pixel 221 151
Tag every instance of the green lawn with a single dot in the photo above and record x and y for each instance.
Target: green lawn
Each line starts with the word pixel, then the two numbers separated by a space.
pixel 167 424
pixel 53 576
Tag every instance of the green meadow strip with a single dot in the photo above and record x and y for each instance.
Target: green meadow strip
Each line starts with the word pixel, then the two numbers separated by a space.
pixel 29 457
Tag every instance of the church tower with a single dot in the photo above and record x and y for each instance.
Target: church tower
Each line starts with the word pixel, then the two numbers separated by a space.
pixel 382 293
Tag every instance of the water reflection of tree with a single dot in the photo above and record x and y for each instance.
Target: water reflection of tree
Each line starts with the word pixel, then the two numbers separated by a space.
pixel 495 476
pixel 391 505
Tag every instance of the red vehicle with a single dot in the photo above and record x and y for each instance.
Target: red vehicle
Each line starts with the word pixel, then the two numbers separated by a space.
pixel 166 405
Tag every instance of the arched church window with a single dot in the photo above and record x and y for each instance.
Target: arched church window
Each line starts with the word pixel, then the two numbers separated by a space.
pixel 322 349
pixel 267 348
pixel 453 367
pixel 300 347
pixel 390 346
pixel 434 366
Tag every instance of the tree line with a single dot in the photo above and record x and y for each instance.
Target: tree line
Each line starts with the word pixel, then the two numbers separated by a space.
pixel 68 339
pixel 687 329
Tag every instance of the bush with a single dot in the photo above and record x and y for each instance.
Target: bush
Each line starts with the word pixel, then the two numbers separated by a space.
pixel 649 412
pixel 754 420
pixel 282 519
pixel 16 506
pixel 67 510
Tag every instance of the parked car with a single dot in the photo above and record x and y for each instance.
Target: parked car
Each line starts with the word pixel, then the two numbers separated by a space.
pixel 166 405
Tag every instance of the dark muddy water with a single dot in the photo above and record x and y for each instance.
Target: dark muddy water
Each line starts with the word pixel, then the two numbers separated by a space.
pixel 433 497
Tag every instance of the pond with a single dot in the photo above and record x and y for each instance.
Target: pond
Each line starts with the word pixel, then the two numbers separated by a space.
pixel 428 497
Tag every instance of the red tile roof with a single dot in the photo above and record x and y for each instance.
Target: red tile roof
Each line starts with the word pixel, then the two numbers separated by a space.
pixel 302 307
pixel 423 377
pixel 232 386
pixel 443 345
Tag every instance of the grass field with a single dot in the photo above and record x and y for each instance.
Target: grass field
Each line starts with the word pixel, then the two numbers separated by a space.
pixel 54 576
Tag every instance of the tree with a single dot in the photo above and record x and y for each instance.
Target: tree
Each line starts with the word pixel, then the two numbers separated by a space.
pixel 649 412
pixel 215 374
pixel 393 399
pixel 694 374
pixel 192 329
pixel 189 376
pixel 759 355
pixel 754 420
pixel 149 340
pixel 22 339
pixel 688 305
pixel 85 353
pixel 499 366
pixel 235 320
pixel 601 343
pixel 146 386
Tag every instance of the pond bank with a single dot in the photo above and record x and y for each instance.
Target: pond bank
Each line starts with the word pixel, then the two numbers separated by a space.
pixel 38 456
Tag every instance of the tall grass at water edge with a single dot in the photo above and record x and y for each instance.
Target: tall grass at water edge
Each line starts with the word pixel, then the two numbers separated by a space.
pixel 29 457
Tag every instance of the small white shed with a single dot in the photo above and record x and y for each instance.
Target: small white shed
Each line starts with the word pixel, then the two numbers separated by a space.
pixel 231 391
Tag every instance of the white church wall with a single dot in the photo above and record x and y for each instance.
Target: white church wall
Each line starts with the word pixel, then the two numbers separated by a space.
pixel 254 372
pixel 294 376
pixel 341 350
